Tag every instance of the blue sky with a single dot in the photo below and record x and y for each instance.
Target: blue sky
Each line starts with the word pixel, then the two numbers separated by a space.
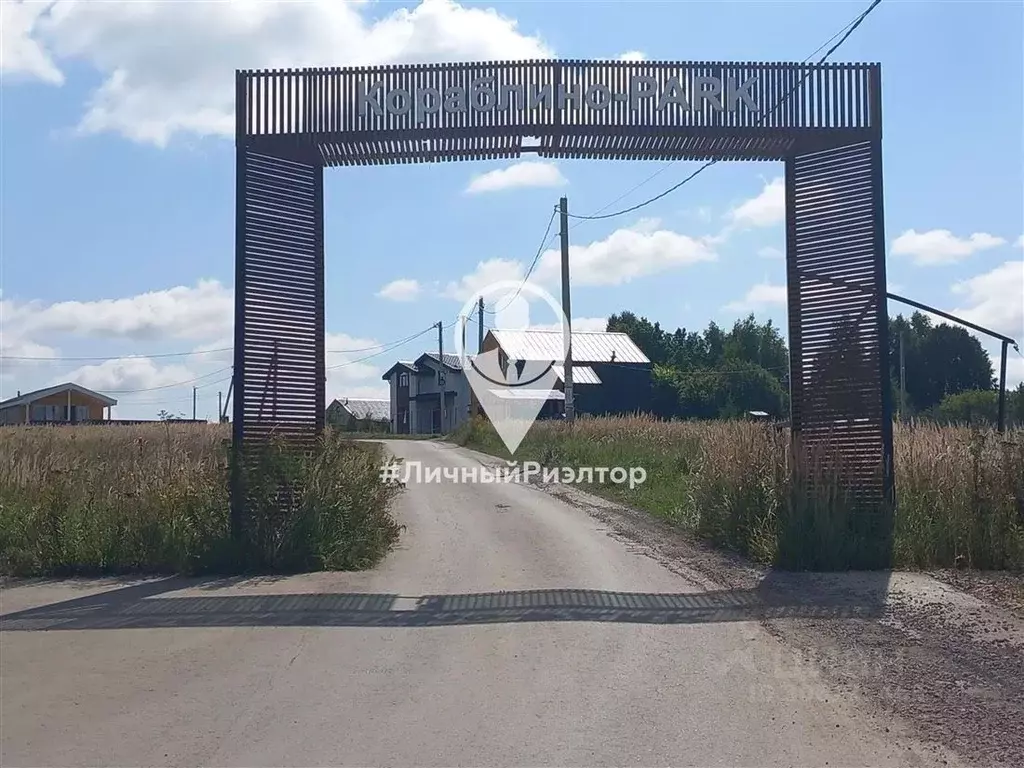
pixel 118 180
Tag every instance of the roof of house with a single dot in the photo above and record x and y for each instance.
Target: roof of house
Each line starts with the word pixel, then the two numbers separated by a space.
pixel 39 394
pixel 587 346
pixel 581 374
pixel 407 365
pixel 378 410
pixel 451 361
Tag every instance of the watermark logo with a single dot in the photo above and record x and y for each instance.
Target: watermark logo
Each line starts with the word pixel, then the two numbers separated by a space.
pixel 513 391
pixel 413 472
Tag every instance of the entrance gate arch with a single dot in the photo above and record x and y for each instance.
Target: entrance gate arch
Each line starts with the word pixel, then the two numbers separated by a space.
pixel 823 121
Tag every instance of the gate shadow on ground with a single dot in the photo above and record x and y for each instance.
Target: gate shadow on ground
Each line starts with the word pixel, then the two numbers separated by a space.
pixel 778 596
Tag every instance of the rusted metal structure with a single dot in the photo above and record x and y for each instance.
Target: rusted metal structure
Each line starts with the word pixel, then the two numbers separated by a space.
pixel 823 121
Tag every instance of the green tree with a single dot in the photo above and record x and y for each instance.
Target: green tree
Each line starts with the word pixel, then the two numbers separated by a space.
pixel 761 344
pixel 745 387
pixel 648 336
pixel 939 360
pixel 699 394
pixel 665 392
pixel 714 373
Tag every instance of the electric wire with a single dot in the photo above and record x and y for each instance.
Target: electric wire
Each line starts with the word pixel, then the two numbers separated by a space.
pixel 843 35
pixel 544 242
pixel 130 356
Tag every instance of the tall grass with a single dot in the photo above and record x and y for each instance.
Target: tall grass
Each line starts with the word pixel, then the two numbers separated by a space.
pixel 960 492
pixel 154 498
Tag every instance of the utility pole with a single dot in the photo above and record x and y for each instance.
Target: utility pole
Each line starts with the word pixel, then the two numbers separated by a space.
pixel 1002 387
pixel 570 408
pixel 193 403
pixel 480 326
pixel 440 374
pixel 903 380
pixel 220 407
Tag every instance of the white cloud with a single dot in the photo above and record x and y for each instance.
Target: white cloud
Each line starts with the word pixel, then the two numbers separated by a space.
pixel 633 56
pixel 20 54
pixel 199 312
pixel 203 313
pixel 940 246
pixel 354 365
pixel 764 210
pixel 626 254
pixel 127 373
pixel 995 299
pixel 169 67
pixel 486 273
pixel 1020 242
pixel 528 173
pixel 403 289
pixel 771 252
pixel 218 352
pixel 11 348
pixel 760 296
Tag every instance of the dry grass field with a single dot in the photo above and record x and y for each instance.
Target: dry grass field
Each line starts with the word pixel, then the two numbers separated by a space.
pixel 154 498
pixel 960 492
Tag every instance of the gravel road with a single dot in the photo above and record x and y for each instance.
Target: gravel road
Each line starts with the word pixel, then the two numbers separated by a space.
pixel 514 626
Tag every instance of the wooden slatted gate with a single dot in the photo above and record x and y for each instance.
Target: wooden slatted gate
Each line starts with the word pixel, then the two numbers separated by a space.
pixel 822 121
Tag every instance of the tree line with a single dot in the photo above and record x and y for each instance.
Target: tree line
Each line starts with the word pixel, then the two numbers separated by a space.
pixel 716 372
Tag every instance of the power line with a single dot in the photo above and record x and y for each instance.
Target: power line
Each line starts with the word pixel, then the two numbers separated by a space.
pixel 394 346
pixel 543 245
pixel 387 347
pixel 842 34
pixel 171 354
pixel 390 347
pixel 116 357
pixel 169 386
pixel 167 401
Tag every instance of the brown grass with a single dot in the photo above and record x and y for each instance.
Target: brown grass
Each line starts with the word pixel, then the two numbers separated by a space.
pixel 960 491
pixel 155 498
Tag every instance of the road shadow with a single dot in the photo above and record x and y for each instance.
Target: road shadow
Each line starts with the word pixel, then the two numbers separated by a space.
pixel 778 597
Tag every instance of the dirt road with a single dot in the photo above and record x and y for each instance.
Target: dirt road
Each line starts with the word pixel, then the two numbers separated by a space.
pixel 512 627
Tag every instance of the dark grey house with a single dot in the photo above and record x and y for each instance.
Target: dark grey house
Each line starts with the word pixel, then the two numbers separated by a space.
pixel 610 374
pixel 415 403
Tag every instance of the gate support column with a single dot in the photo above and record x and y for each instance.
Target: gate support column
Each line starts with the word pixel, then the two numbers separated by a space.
pixel 279 369
pixel 839 332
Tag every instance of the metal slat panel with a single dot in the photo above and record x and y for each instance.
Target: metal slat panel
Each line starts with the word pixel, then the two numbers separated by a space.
pixel 838 347
pixel 579 108
pixel 281 334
